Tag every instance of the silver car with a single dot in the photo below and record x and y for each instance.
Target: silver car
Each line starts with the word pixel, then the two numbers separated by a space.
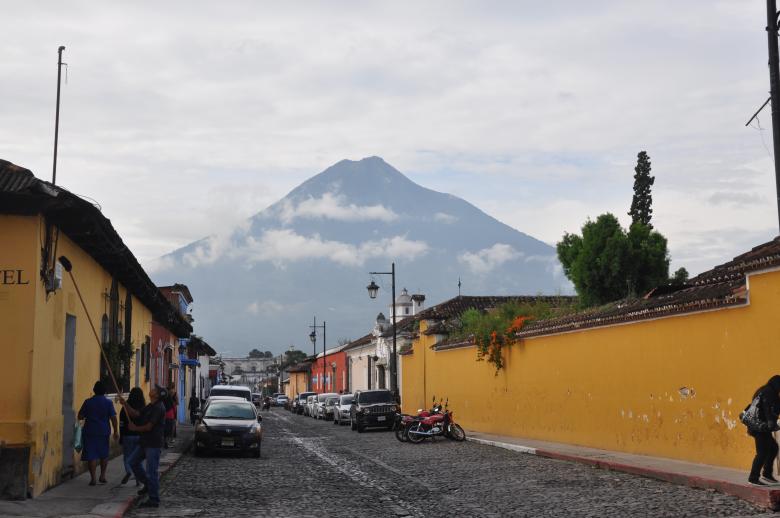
pixel 307 410
pixel 318 411
pixel 341 410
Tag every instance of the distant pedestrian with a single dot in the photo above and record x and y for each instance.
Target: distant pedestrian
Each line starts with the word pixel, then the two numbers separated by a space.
pixel 768 405
pixel 170 417
pixel 130 439
pixel 97 411
pixel 152 427
pixel 193 407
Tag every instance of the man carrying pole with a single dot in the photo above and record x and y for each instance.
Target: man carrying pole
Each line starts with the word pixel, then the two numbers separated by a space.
pixel 152 428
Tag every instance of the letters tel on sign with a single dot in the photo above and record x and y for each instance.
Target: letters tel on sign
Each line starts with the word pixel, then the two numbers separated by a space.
pixel 8 277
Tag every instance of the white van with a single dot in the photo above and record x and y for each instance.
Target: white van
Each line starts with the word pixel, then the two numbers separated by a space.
pixel 231 390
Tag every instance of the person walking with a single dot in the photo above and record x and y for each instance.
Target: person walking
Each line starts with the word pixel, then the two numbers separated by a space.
pixel 127 438
pixel 151 426
pixel 193 407
pixel 97 411
pixel 170 417
pixel 766 446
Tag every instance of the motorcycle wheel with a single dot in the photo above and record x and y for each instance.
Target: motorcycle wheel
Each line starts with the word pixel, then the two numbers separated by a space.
pixel 456 433
pixel 400 433
pixel 413 437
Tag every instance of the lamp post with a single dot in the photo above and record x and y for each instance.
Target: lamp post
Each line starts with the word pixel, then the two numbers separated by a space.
pixel 313 338
pixel 373 289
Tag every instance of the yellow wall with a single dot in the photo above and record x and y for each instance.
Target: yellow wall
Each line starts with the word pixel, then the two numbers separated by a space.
pixel 299 382
pixel 621 387
pixel 33 340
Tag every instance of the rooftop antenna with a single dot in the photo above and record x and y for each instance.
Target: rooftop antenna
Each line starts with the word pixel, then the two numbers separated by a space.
pixel 57 114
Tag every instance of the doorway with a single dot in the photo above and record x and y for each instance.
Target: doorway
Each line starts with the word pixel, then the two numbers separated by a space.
pixel 68 414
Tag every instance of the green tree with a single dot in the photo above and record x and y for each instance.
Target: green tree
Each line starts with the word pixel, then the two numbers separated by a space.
pixel 679 277
pixel 255 353
pixel 292 357
pixel 268 354
pixel 606 263
pixel 642 203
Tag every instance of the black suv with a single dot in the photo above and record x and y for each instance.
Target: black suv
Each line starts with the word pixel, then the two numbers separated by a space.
pixel 372 408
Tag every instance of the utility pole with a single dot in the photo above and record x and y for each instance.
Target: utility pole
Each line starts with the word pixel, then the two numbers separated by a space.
pixel 57 115
pixel 774 90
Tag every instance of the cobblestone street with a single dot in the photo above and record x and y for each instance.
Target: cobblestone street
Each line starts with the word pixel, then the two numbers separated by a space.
pixel 313 468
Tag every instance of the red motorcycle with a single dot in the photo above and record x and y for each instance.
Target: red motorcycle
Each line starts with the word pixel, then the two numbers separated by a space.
pixel 438 423
pixel 404 421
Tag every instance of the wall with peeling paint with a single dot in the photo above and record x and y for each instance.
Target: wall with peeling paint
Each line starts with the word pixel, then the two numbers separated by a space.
pixel 670 387
pixel 34 338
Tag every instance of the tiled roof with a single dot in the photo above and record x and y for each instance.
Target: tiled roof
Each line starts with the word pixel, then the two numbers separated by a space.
pixel 456 306
pixel 300 367
pixel 22 193
pixel 363 340
pixel 721 287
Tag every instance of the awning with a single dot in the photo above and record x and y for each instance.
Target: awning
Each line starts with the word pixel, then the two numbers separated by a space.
pixel 190 363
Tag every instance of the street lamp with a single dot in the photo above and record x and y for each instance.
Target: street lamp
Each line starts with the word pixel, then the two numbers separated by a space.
pixel 373 289
pixel 313 338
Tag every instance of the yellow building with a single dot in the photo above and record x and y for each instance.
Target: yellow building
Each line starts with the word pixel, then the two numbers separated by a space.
pixel 51 355
pixel 298 382
pixel 666 375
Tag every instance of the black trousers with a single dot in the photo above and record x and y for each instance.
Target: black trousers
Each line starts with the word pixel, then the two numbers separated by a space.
pixel 766 452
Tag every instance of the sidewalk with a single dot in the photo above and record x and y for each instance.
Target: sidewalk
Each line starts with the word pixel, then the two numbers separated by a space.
pixel 725 480
pixel 75 498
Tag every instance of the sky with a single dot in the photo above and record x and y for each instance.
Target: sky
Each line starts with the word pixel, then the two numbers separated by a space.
pixel 182 119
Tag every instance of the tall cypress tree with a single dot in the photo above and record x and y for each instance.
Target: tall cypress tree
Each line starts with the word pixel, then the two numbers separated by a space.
pixel 642 204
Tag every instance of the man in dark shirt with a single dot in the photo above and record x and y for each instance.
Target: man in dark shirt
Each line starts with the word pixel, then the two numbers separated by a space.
pixel 151 425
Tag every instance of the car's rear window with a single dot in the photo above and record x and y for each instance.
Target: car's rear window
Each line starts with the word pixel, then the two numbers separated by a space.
pixel 346 400
pixel 229 410
pixel 369 398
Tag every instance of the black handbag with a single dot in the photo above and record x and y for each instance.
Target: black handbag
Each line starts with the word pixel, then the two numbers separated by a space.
pixel 750 417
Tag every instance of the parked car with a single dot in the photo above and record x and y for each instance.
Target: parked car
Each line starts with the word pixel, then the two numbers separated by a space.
pixel 318 410
pixel 309 408
pixel 341 411
pixel 281 400
pixel 329 407
pixel 372 408
pixel 229 425
pixel 300 402
pixel 231 390
pixel 257 398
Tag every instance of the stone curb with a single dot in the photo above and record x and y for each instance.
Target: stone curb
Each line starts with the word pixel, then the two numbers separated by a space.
pixel 763 497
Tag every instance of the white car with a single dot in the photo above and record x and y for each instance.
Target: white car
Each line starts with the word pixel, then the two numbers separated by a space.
pixel 318 410
pixel 282 400
pixel 231 390
pixel 309 408
pixel 341 412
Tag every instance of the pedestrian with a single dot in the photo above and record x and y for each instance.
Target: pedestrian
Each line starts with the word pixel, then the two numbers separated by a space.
pixel 766 446
pixel 97 412
pixel 127 438
pixel 194 405
pixel 170 417
pixel 151 426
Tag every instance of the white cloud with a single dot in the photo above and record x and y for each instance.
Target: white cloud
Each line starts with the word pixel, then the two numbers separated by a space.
pixel 334 206
pixel 285 245
pixel 487 259
pixel 443 217
pixel 267 306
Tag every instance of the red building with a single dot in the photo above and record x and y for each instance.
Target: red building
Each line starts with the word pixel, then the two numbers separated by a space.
pixel 164 351
pixel 335 379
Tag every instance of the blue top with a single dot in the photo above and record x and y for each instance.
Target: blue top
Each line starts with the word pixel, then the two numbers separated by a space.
pixel 96 411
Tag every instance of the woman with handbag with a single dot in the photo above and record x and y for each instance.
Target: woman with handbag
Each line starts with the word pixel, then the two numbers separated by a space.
pixel 766 407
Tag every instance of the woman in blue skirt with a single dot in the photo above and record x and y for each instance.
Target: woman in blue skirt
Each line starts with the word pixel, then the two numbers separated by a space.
pixel 97 412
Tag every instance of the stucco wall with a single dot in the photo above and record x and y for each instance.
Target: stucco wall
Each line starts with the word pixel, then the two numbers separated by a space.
pixel 671 387
pixel 35 344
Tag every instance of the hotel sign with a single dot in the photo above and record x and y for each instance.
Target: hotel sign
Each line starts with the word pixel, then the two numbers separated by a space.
pixel 13 277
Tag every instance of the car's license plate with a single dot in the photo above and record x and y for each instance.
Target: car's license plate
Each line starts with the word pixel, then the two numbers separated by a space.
pixel 381 418
pixel 228 442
